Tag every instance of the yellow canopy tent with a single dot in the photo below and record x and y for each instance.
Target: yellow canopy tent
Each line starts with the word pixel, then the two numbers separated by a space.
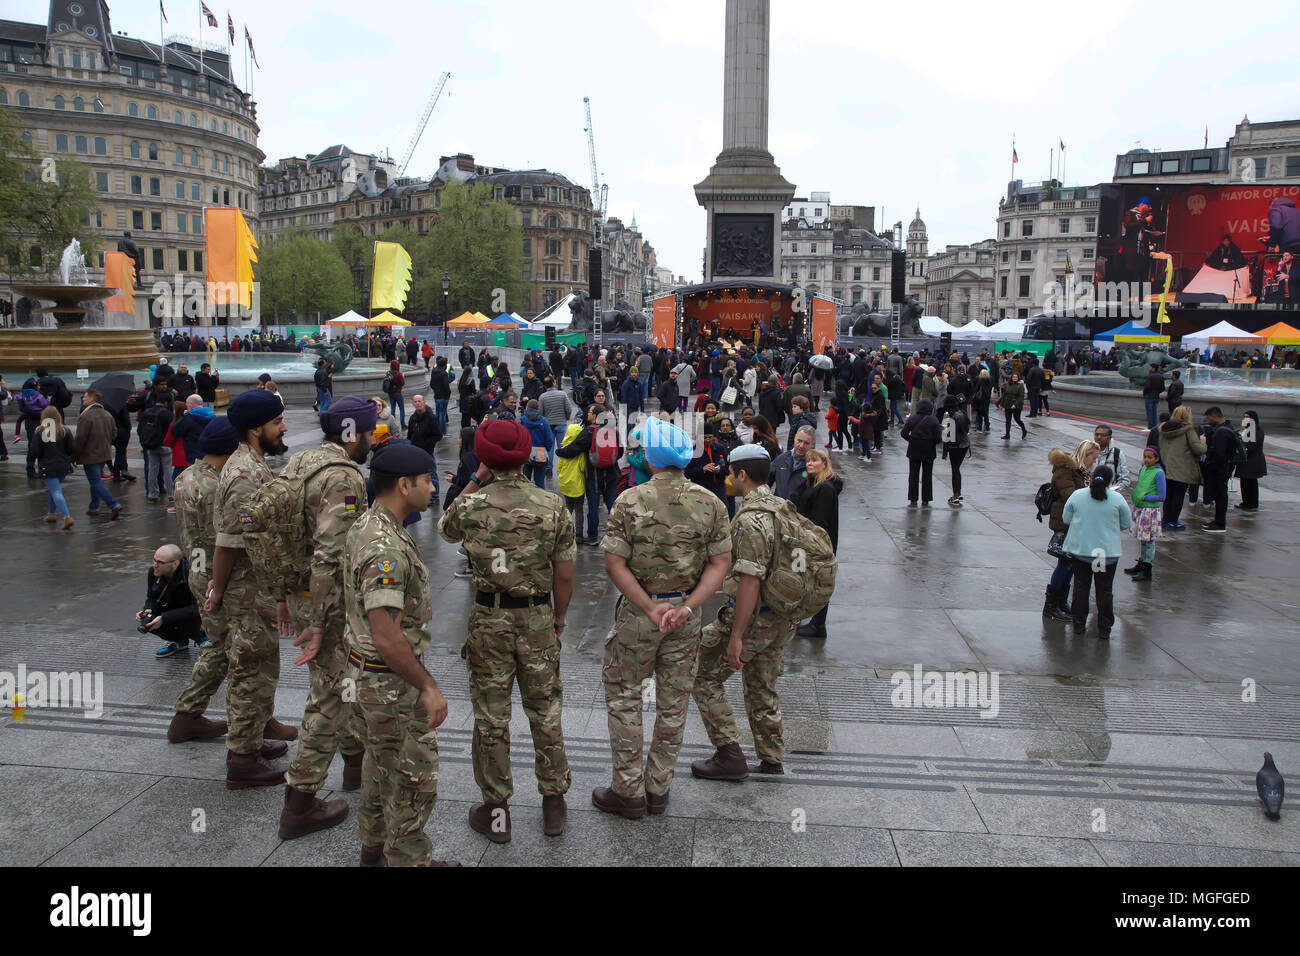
pixel 481 317
pixel 468 320
pixel 387 319
pixel 1280 334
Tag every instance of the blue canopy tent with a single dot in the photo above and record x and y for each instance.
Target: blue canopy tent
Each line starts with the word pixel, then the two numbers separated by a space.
pixel 507 321
pixel 1130 332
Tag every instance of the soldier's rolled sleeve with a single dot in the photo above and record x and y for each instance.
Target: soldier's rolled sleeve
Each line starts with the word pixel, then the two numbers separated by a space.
pixel 449 525
pixel 332 524
pixel 615 540
pixel 230 530
pixel 565 547
pixel 383 581
pixel 750 550
pixel 719 532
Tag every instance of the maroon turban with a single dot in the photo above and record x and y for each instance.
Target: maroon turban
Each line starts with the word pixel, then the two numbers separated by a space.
pixel 502 445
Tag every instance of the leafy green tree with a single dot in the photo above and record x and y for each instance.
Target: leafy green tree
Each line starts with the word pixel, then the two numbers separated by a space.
pixel 304 273
pixel 40 207
pixel 477 240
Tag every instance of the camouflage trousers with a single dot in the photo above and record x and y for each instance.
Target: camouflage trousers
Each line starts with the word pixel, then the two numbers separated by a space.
pixel 762 660
pixel 635 651
pixel 253 649
pixel 210 669
pixel 508 645
pixel 399 778
pixel 329 722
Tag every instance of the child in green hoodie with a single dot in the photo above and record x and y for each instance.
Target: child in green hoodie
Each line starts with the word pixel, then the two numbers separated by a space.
pixel 1148 500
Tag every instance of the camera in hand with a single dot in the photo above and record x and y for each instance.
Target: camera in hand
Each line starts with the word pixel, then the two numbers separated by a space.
pixel 146 618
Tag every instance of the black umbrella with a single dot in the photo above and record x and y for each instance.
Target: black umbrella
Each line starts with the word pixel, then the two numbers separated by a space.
pixel 116 388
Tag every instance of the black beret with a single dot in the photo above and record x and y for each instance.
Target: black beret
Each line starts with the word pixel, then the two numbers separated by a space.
pixel 402 460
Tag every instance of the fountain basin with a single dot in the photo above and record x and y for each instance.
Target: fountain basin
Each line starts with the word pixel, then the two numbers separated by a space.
pixel 66 350
pixel 1109 396
pixel 68 309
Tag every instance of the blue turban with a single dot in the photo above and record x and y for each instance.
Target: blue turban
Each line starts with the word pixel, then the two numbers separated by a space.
pixel 218 437
pixel 253 409
pixel 666 445
pixel 360 411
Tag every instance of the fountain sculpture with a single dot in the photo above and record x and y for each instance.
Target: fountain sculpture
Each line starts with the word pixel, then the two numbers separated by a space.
pixel 78 338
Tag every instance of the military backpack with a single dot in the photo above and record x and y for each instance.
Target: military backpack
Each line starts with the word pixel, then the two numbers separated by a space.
pixel 274 524
pixel 801 571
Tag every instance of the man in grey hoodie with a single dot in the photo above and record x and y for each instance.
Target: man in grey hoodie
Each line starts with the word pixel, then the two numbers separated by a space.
pixel 559 411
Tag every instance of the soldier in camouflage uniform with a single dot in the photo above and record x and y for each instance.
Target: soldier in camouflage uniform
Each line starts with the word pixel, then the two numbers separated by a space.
pixel 334 497
pixel 252 615
pixel 386 600
pixel 667 548
pixel 748 635
pixel 520 543
pixel 196 495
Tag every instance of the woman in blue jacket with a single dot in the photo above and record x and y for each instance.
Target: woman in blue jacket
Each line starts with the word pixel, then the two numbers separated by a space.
pixel 1097 515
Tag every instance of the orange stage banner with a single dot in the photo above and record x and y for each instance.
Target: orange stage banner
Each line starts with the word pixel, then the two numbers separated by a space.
pixel 230 244
pixel 119 273
pixel 823 324
pixel 663 321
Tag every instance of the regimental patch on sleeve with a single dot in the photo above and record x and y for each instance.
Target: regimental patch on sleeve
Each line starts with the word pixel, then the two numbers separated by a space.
pixel 245 517
pixel 350 503
pixel 384 565
pixel 386 582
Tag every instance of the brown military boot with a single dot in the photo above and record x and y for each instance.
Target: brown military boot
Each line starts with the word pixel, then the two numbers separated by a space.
pixel 251 770
pixel 269 751
pixel 764 767
pixel 727 764
pixel 655 802
pixel 274 730
pixel 373 856
pixel 352 770
pixel 484 819
pixel 194 727
pixel 604 798
pixel 553 813
pixel 303 813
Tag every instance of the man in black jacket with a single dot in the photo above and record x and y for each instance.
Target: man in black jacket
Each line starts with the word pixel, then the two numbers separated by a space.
pixel 182 383
pixel 440 383
pixel 1034 386
pixel 55 389
pixel 206 383
pixel 1220 446
pixel 465 356
pixel 169 610
pixel 423 431
pixel 668 395
pixel 923 435
pixel 1151 393
pixel 1175 393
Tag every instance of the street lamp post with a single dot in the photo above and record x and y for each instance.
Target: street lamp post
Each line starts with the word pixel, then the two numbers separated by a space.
pixel 293 293
pixel 446 288
pixel 941 306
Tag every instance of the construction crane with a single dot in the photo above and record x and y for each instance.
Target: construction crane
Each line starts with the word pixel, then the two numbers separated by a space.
pixel 599 193
pixel 419 129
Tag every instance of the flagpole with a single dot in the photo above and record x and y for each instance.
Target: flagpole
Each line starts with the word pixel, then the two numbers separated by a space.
pixel 162 53
pixel 200 47
pixel 1051 163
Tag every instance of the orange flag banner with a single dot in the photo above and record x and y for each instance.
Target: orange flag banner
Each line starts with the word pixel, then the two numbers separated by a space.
pixel 229 244
pixel 119 273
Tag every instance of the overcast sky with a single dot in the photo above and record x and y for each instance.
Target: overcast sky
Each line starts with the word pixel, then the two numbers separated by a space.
pixel 881 103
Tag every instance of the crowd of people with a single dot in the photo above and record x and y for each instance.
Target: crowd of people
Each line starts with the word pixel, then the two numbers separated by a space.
pixel 678 452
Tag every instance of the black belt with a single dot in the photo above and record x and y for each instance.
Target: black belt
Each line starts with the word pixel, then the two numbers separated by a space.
pixel 374 667
pixel 674 594
pixel 497 599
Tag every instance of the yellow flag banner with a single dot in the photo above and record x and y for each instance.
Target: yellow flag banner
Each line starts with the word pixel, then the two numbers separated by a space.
pixel 119 274
pixel 391 278
pixel 229 244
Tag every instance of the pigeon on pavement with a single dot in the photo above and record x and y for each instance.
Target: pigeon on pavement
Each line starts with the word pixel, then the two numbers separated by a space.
pixel 1271 788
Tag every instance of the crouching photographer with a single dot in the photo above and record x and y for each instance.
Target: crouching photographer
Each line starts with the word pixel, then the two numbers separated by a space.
pixel 169 609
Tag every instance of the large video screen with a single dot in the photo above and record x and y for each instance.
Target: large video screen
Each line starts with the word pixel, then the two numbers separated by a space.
pixel 1217 238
